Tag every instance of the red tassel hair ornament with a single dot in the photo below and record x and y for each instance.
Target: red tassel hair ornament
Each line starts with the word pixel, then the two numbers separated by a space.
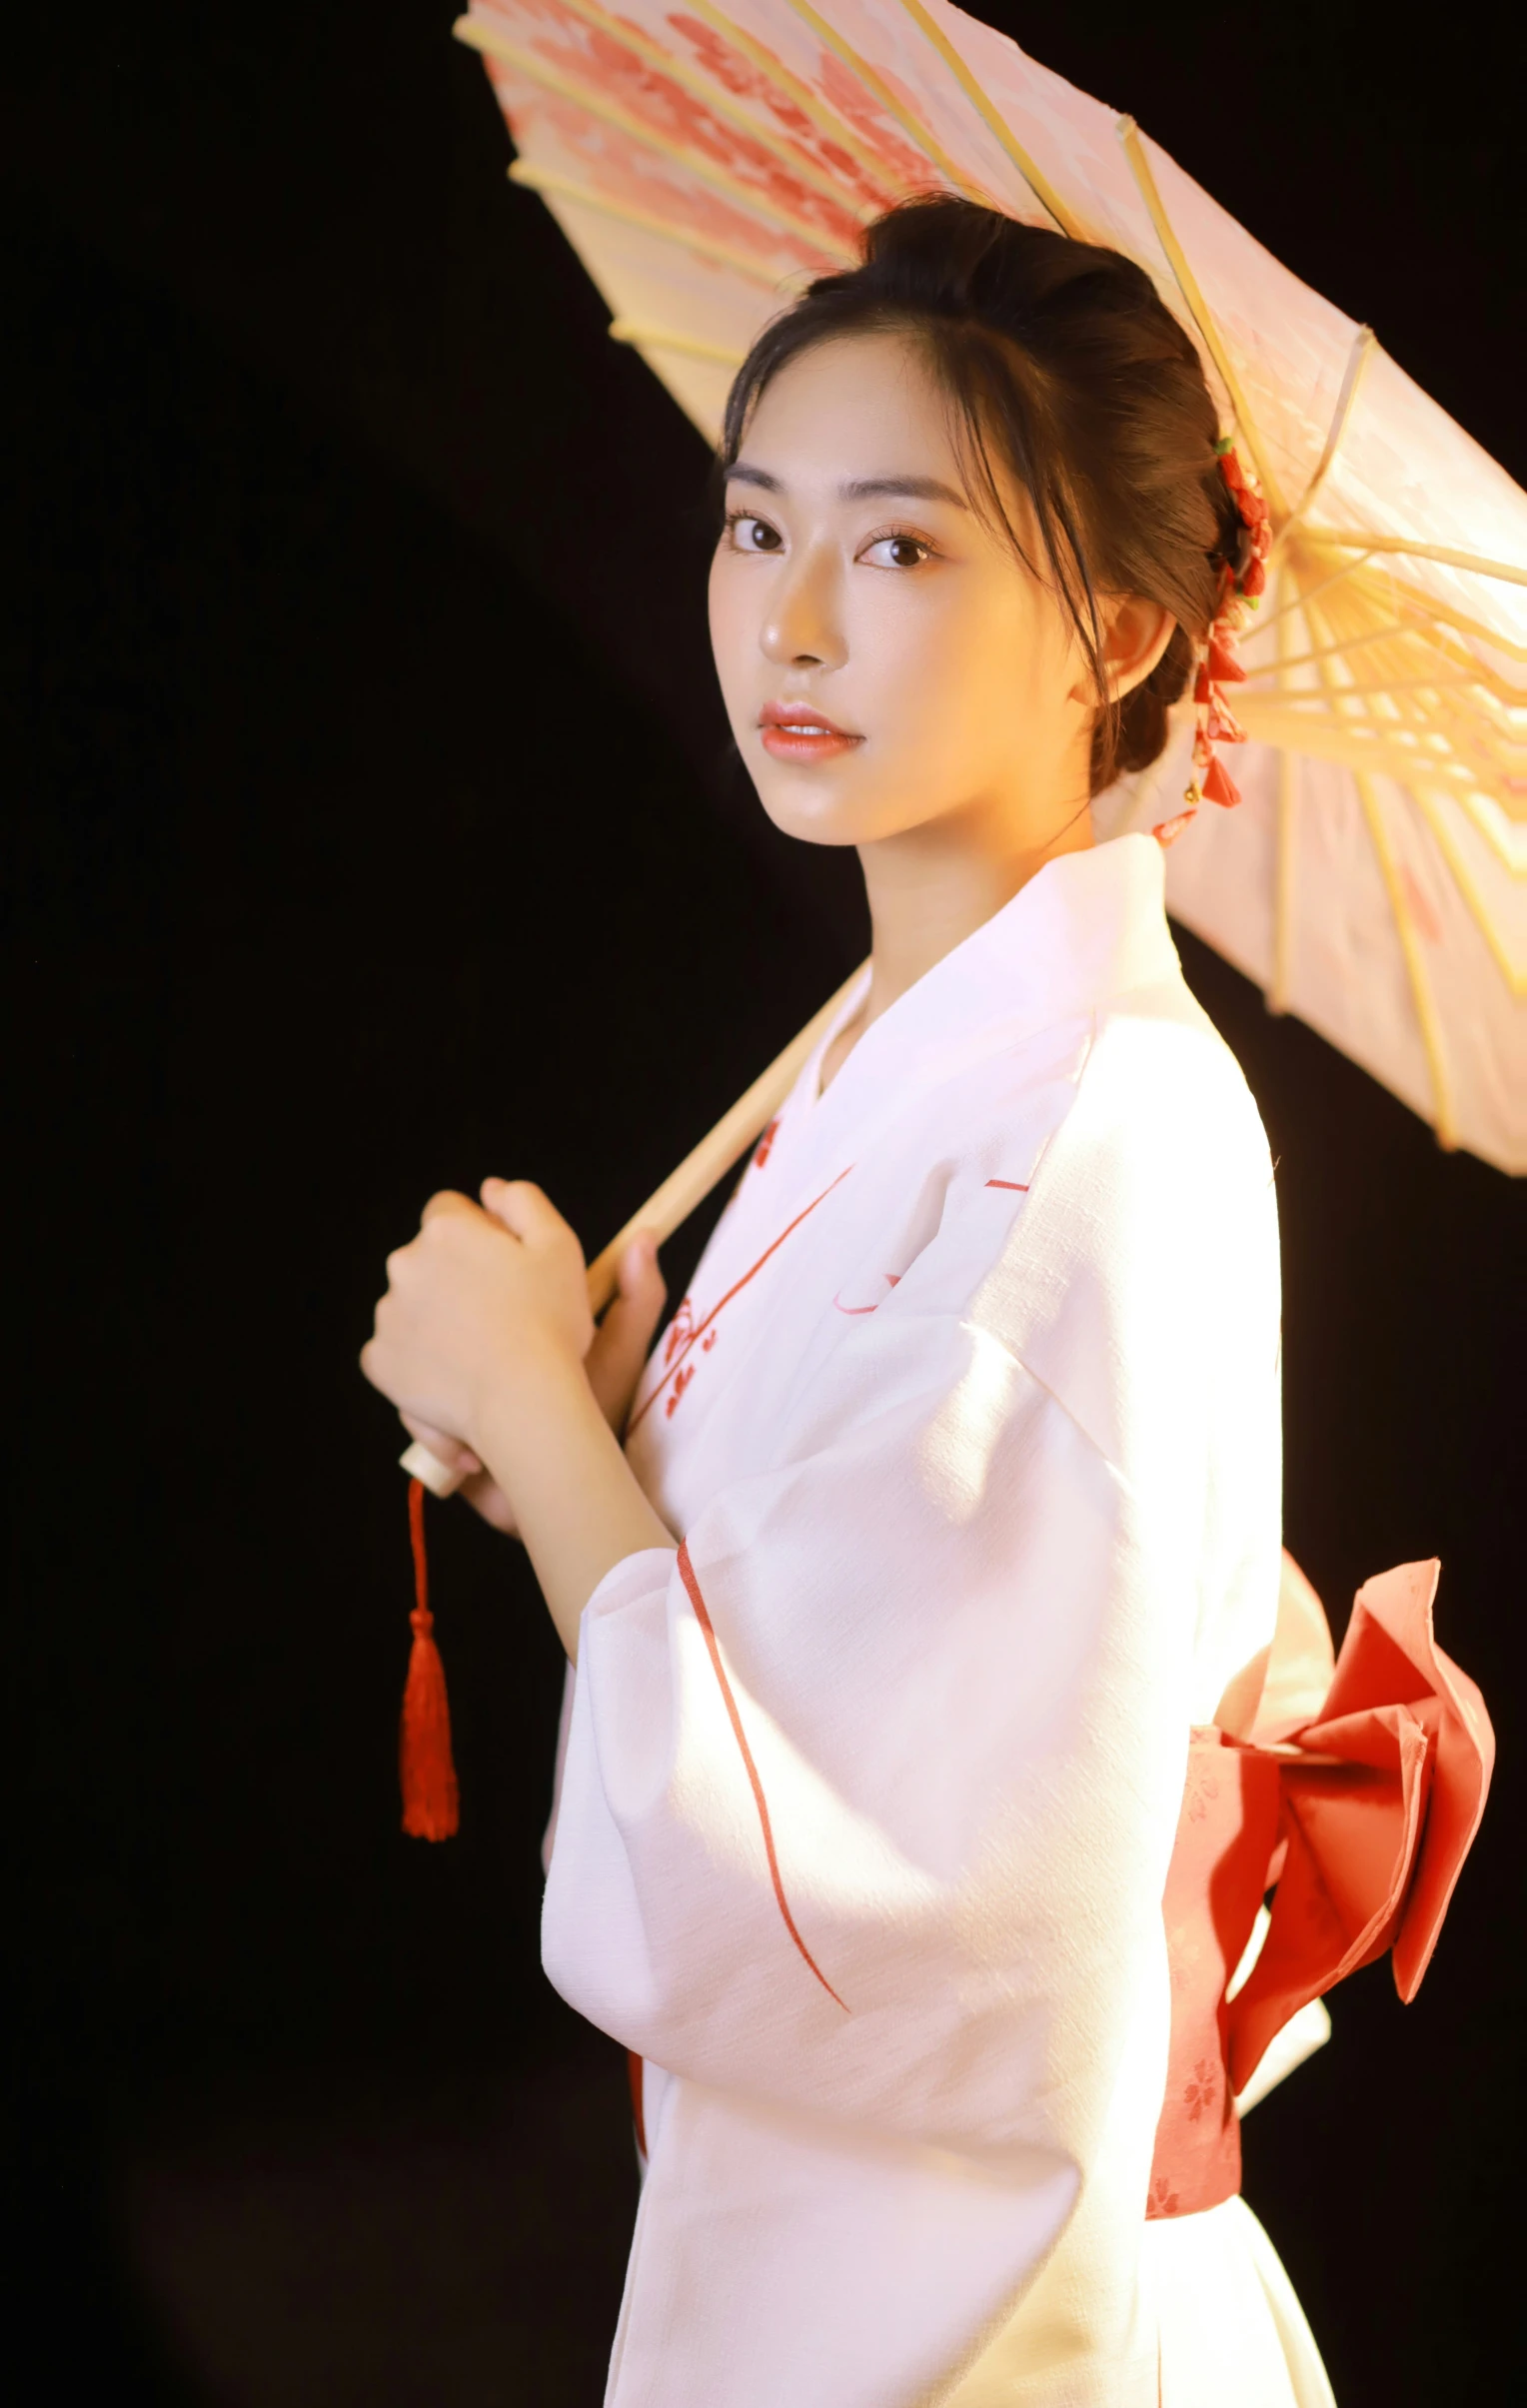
pixel 1239 587
pixel 431 1803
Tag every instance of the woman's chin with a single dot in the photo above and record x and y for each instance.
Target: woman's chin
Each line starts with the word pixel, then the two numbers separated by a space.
pixel 820 805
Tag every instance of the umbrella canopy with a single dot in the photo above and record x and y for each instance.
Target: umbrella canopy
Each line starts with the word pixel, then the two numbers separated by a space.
pixel 704 164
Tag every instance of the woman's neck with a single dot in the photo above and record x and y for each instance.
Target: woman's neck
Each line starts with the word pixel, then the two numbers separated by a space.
pixel 930 888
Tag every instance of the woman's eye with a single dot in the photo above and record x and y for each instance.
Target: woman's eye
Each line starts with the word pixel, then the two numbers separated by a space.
pixel 752 535
pixel 899 552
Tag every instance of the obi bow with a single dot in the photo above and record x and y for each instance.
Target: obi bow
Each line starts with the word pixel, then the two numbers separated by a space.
pixel 1350 1788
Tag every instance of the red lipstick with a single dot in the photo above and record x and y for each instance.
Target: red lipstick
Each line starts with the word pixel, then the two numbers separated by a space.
pixel 794 731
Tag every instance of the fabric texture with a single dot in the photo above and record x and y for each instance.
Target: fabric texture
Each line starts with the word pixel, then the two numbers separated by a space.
pixel 866 1792
pixel 1232 2329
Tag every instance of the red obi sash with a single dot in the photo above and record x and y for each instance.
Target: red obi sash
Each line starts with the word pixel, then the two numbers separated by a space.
pixel 1350 1788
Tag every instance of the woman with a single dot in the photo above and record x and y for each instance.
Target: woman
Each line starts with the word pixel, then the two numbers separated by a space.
pixel 949 1504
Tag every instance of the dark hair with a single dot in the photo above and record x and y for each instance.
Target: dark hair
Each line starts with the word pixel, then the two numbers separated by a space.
pixel 1060 358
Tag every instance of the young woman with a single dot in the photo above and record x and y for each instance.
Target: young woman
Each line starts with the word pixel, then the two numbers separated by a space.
pixel 949 1504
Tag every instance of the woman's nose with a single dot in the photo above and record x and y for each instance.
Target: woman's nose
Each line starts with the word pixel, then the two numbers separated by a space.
pixel 803 628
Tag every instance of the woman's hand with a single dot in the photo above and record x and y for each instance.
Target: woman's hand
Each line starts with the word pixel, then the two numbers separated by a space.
pixel 613 1364
pixel 483 1334
pixel 481 1307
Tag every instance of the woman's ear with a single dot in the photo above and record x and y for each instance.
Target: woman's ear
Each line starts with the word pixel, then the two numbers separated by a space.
pixel 1135 635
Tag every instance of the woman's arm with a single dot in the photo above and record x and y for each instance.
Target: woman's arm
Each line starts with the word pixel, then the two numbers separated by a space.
pixel 575 1499
pixel 484 1333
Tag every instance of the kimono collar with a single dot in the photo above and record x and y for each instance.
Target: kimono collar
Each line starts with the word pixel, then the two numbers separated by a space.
pixel 1087 928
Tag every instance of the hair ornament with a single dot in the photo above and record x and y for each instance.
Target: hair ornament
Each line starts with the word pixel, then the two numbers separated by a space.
pixel 1242 581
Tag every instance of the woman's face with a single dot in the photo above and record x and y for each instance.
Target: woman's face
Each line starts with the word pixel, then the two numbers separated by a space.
pixel 885 660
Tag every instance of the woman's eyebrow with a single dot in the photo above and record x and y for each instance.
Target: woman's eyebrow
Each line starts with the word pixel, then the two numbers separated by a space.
pixel 903 488
pixel 860 488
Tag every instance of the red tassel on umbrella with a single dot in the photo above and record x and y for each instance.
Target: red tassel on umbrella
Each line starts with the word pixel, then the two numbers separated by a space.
pixel 431 1804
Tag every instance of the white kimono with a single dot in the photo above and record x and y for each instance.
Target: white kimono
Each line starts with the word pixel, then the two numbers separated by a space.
pixel 969 1431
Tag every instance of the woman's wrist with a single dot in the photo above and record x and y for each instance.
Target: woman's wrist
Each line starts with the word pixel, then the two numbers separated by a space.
pixel 576 1503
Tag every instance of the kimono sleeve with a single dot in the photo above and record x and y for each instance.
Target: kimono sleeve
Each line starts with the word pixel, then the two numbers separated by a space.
pixel 870 1787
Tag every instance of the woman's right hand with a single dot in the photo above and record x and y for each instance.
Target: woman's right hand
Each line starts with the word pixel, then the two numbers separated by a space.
pixel 614 1365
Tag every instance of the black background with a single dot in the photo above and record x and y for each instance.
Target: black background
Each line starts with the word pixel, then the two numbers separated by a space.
pixel 369 825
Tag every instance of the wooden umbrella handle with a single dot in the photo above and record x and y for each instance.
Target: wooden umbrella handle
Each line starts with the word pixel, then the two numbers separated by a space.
pixel 681 1192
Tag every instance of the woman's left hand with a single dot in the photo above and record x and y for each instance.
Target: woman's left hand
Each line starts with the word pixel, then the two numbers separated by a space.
pixel 480 1305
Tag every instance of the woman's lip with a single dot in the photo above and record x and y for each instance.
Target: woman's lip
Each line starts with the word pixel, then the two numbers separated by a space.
pixel 801 741
pixel 794 731
pixel 798 715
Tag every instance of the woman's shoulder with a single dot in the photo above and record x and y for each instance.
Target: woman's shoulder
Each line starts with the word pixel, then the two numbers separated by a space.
pixel 1144 1264
pixel 1162 1101
pixel 1119 1130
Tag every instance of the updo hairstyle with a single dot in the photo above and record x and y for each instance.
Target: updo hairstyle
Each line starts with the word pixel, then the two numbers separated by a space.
pixel 1061 361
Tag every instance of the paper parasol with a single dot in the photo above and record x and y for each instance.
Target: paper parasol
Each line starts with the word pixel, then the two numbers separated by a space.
pixel 704 164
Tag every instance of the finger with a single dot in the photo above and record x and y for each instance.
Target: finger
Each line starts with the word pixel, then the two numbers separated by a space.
pixel 490 1193
pixel 382 1365
pixel 624 1336
pixel 526 1209
pixel 483 1494
pixel 450 1451
pixel 447 1200
pixel 641 1286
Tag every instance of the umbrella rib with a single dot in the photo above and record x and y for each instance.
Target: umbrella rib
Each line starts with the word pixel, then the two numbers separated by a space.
pixel 1400 736
pixel 547 180
pixel 873 84
pixel 1398 630
pixel 742 195
pixel 478 35
pixel 1324 652
pixel 1357 362
pixel 1514 862
pixel 1283 872
pixel 832 129
pixel 1303 594
pixel 1391 685
pixel 1428 605
pixel 1427 636
pixel 1448 616
pixel 1362 742
pixel 1472 561
pixel 1263 708
pixel 1414 711
pixel 1470 741
pixel 1464 879
pixel 1202 315
pixel 1034 176
pixel 1410 948
pixel 1461 671
pixel 636 332
pixel 1255 707
pixel 1499 688
pixel 1410 942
